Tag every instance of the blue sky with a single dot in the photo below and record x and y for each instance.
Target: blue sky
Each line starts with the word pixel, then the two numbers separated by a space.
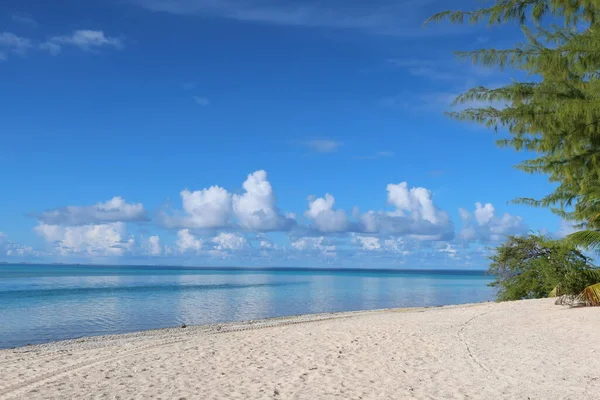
pixel 250 132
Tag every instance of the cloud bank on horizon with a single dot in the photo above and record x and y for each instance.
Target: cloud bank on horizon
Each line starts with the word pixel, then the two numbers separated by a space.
pixel 215 223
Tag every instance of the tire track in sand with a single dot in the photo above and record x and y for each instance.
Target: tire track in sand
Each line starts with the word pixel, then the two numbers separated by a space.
pixel 211 330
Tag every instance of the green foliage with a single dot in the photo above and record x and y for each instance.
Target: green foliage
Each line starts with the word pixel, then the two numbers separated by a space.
pixel 591 295
pixel 532 267
pixel 556 113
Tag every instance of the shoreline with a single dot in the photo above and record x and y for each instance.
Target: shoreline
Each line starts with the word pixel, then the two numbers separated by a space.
pixel 511 350
pixel 474 271
pixel 224 327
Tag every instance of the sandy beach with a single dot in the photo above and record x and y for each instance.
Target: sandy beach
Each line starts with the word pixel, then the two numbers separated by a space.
pixel 515 350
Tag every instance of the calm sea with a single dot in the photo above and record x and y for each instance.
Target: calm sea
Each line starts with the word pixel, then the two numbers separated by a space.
pixel 41 303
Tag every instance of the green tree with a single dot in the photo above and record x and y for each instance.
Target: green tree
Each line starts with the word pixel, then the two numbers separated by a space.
pixel 531 267
pixel 555 113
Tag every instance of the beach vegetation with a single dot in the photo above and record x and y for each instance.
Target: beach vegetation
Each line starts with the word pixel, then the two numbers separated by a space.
pixel 553 113
pixel 536 266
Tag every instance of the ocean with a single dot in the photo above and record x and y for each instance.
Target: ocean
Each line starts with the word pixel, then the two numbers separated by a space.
pixel 42 303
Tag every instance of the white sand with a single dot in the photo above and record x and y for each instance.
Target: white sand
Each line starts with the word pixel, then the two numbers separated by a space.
pixel 518 350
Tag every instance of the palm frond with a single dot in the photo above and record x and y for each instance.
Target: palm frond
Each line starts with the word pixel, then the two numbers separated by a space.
pixel 593 274
pixel 591 295
pixel 590 239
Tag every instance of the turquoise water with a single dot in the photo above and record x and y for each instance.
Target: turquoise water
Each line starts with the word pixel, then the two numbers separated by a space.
pixel 41 303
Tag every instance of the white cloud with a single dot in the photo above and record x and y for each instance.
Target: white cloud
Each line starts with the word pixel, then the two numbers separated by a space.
pixel 484 226
pixel 416 201
pixel 203 209
pixel 255 209
pixel 113 210
pixel 324 218
pixel 230 241
pixel 414 215
pixel 565 229
pixel 215 207
pixel 266 245
pixel 367 243
pixel 314 244
pixel 12 249
pixel 393 245
pixel 9 42
pixel 94 240
pixel 153 246
pixel 483 214
pixel 207 208
pixel 449 249
pixel 323 145
pixel 396 245
pixel 84 39
pixel 201 101
pixel 188 242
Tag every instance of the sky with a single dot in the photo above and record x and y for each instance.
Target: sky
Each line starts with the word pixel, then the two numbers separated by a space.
pixel 297 133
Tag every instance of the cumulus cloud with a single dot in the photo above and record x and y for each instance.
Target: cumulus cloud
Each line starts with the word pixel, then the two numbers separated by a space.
pixel 187 242
pixel 367 243
pixel 12 249
pixel 113 210
pixel 84 39
pixel 266 245
pixel 416 201
pixel 93 240
pixel 324 217
pixel 484 226
pixel 372 243
pixel 202 209
pixel 215 207
pixel 230 242
pixel 153 246
pixel 396 245
pixel 314 245
pixel 414 215
pixel 449 250
pixel 255 209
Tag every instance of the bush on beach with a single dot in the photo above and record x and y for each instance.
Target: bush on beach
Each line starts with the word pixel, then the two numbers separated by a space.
pixel 535 266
